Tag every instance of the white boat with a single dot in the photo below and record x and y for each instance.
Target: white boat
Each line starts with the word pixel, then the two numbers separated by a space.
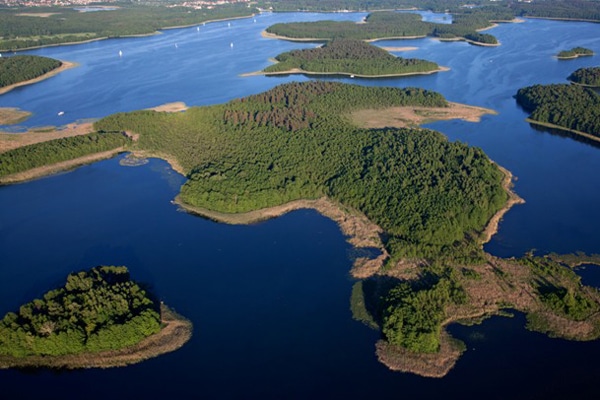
pixel 231 44
pixel 61 113
pixel 120 53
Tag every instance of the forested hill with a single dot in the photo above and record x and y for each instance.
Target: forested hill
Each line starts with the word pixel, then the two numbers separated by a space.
pixel 96 310
pixel 392 24
pixel 295 141
pixel 17 69
pixel 350 57
pixel 572 107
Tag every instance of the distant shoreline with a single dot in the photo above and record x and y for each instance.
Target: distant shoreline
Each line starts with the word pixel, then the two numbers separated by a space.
pixel 176 332
pixel 64 66
pixel 298 71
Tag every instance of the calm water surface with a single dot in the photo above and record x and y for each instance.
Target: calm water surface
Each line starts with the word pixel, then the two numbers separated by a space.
pixel 270 302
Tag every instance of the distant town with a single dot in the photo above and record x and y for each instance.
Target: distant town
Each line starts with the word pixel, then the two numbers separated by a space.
pixel 197 4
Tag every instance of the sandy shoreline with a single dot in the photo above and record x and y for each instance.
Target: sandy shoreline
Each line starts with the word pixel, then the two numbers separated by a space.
pixel 10 141
pixel 349 74
pixel 176 332
pixel 65 66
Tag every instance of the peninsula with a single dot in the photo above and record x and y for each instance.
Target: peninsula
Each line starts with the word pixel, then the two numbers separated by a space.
pixel 349 57
pixel 98 319
pixel 426 203
pixel 20 70
pixel 586 77
pixel 572 108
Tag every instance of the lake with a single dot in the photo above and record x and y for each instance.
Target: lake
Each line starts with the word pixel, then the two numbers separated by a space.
pixel 270 301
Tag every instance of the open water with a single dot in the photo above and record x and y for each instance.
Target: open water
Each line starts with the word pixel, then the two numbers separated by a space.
pixel 270 301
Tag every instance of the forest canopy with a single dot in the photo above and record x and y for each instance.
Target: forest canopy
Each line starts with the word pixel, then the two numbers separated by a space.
pixel 575 52
pixel 586 76
pixel 572 107
pixel 296 141
pixel 96 310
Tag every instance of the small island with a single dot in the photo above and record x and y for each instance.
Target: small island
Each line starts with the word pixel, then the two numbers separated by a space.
pixel 349 57
pixel 586 77
pixel 574 53
pixel 18 71
pixel 572 108
pixel 100 318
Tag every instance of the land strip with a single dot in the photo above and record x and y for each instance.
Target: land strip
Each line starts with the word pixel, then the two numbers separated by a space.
pixel 65 66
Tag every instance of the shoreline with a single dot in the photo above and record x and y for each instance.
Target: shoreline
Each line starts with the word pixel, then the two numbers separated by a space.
pixel 157 32
pixel 562 128
pixel 62 166
pixel 513 199
pixel 574 57
pixel 176 332
pixel 65 66
pixel 358 229
pixel 298 71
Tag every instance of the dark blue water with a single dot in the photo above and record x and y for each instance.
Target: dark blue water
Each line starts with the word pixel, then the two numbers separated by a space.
pixel 270 302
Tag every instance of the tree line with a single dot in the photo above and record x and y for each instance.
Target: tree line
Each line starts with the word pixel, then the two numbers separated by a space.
pixel 17 69
pixel 349 56
pixel 58 150
pixel 96 310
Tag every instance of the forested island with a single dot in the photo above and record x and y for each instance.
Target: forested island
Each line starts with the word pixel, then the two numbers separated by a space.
pixel 393 25
pixel 349 57
pixel 574 53
pixel 573 108
pixel 26 27
pixel 99 318
pixel 586 76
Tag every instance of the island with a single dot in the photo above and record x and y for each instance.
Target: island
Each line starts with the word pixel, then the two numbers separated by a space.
pixel 575 52
pixel 572 108
pixel 100 318
pixel 350 57
pixel 386 25
pixel 586 77
pixel 23 70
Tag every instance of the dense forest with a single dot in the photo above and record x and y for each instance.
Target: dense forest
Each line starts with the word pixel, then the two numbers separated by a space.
pixel 295 141
pixel 387 24
pixel 96 310
pixel 586 76
pixel 568 106
pixel 351 57
pixel 575 52
pixel 17 69
pixel 58 150
pixel 66 25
